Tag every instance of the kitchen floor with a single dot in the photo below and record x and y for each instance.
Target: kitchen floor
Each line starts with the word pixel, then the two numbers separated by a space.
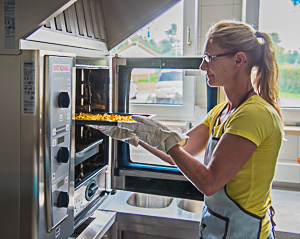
pixel 287 211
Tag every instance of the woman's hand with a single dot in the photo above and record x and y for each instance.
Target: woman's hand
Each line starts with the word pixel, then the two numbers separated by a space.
pixel 117 133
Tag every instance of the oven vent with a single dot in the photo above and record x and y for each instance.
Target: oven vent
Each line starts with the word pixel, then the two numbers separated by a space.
pixel 82 19
pixel 97 24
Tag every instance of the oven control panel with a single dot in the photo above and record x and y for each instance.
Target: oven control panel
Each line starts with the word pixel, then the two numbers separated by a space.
pixel 58 125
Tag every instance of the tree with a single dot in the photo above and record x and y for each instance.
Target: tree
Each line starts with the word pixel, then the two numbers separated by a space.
pixel 172 32
pixel 275 38
pixel 171 35
pixel 284 58
pixel 165 46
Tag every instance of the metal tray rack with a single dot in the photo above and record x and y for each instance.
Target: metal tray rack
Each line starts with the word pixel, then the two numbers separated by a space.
pixel 87 151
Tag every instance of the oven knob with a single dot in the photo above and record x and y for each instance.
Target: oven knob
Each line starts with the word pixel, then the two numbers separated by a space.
pixel 63 155
pixel 63 100
pixel 91 189
pixel 62 199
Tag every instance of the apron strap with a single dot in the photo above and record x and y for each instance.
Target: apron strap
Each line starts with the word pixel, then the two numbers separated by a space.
pixel 241 102
pixel 272 214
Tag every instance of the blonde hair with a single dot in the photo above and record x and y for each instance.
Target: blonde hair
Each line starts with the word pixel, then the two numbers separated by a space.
pixel 237 36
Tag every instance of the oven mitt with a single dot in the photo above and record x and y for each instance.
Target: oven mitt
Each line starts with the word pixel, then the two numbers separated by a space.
pixel 154 133
pixel 117 133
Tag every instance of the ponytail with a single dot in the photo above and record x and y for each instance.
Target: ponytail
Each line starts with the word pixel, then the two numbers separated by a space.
pixel 266 82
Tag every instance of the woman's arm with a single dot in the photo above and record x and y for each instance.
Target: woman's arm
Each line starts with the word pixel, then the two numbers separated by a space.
pixel 198 138
pixel 157 153
pixel 230 155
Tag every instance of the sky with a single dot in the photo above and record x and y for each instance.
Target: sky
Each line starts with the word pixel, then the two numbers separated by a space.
pixel 163 23
pixel 282 17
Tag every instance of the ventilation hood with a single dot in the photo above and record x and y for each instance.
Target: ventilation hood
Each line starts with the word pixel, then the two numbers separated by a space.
pixel 94 25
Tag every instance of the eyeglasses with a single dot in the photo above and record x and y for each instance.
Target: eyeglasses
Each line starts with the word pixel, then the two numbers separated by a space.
pixel 208 58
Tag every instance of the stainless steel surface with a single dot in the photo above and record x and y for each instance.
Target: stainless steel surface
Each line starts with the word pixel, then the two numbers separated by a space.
pixel 82 196
pixel 26 17
pixel 151 174
pixel 191 205
pixel 130 15
pixel 144 222
pixel 148 200
pixel 23 203
pixel 188 214
pixel 59 167
pixel 177 221
pixel 101 24
pixel 101 223
pixel 80 25
pixel 118 203
pixel 10 149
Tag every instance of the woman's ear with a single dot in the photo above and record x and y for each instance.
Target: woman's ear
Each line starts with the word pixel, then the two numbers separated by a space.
pixel 240 59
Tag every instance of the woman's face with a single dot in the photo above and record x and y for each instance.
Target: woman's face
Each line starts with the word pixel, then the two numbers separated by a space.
pixel 220 70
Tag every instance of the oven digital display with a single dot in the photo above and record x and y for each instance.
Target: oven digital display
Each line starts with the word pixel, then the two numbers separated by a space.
pixel 60 183
pixel 61 140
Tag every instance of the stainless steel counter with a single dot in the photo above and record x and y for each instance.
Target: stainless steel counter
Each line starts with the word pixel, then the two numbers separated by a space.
pixel 176 218
pixel 150 216
pixel 118 203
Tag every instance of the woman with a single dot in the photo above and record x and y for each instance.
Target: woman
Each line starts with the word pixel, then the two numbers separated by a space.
pixel 242 136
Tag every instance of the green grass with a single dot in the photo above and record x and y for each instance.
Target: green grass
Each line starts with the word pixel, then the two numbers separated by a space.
pixel 289 95
pixel 153 78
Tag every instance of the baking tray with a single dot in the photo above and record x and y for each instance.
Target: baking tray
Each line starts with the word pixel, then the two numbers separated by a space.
pixel 108 122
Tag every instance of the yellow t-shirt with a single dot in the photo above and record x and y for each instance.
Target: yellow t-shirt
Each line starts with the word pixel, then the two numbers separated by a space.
pixel 259 122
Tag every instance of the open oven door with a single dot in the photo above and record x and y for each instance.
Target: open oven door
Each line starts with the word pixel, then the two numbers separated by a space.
pixel 145 177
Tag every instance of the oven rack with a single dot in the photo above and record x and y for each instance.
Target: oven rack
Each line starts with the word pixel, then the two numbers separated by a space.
pixel 90 150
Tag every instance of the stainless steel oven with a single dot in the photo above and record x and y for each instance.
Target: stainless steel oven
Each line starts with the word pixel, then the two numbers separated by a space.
pixel 68 167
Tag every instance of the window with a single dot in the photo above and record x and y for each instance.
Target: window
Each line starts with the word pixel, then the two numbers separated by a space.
pixel 156 86
pixel 150 90
pixel 281 23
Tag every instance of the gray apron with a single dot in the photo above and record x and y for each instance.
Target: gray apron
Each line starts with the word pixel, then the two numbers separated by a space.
pixel 222 217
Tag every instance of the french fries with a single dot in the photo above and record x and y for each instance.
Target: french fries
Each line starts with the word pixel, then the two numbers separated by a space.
pixel 104 117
